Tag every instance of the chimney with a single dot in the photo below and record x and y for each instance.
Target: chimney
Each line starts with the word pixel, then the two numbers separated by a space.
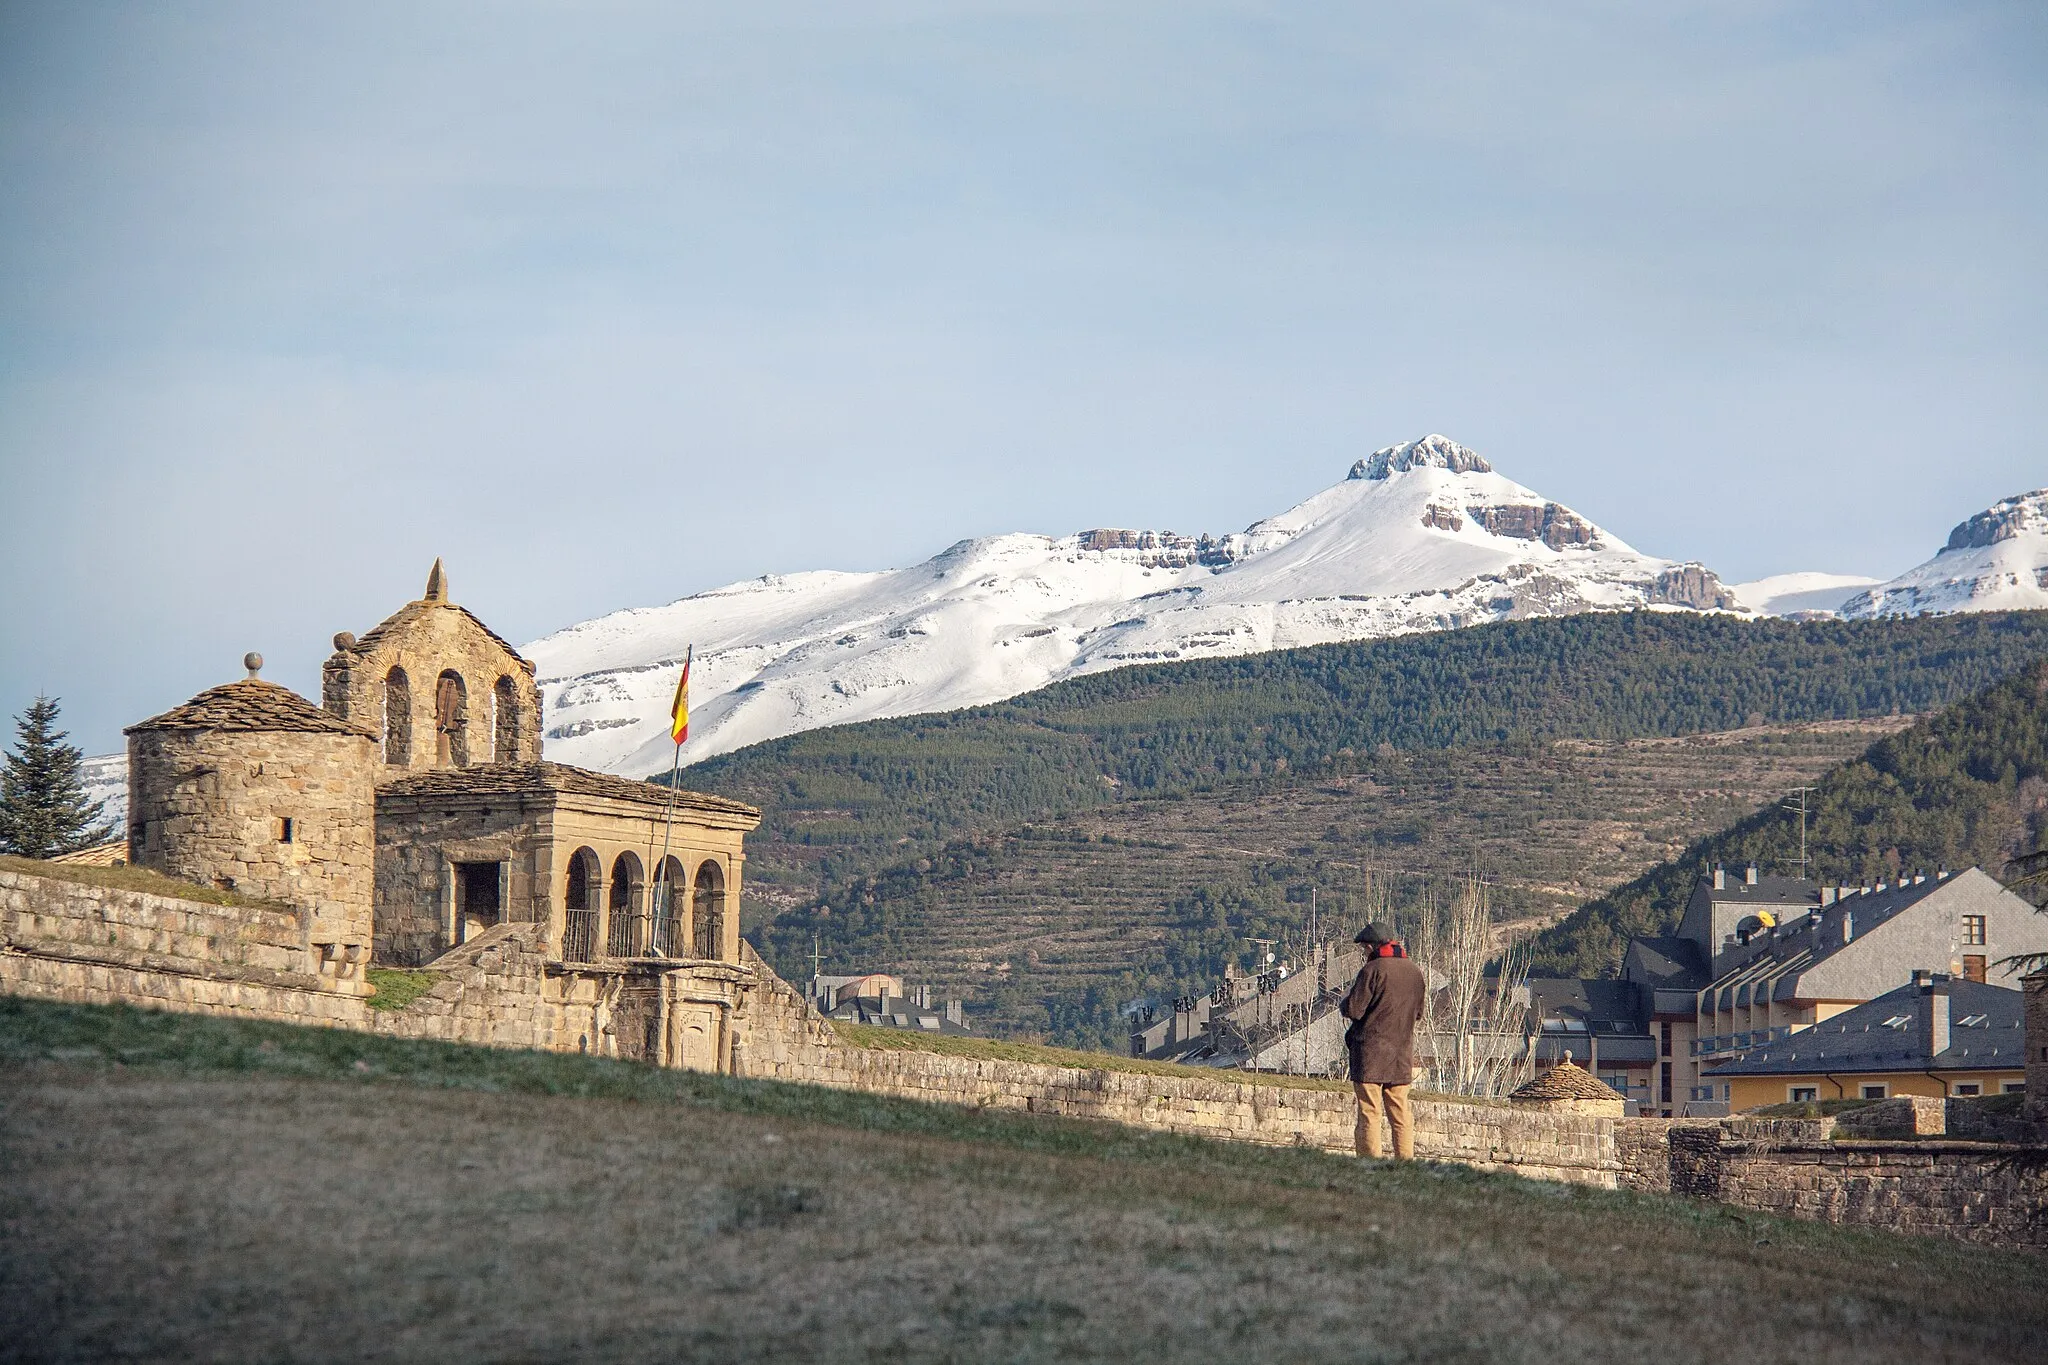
pixel 1720 877
pixel 1827 894
pixel 1749 876
pixel 1937 1012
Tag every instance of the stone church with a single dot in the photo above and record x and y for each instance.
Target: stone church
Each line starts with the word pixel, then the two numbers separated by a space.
pixel 413 820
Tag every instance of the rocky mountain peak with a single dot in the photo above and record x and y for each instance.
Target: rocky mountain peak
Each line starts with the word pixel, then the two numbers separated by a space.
pixel 1431 452
pixel 2001 521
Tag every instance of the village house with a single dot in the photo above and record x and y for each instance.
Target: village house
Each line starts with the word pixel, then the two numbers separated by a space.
pixel 1938 1036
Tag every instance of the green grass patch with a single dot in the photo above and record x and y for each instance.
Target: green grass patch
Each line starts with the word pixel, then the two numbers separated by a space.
pixel 397 987
pixel 1807 1109
pixel 133 879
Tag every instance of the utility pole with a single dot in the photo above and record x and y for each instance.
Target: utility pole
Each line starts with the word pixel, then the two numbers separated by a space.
pixel 1800 792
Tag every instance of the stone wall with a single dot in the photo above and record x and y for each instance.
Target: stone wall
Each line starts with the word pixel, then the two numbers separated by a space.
pixel 418 843
pixel 167 937
pixel 209 806
pixel 1973 1191
pixel 1542 1146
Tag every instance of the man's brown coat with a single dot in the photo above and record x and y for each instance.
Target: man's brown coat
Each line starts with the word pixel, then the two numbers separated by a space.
pixel 1385 1004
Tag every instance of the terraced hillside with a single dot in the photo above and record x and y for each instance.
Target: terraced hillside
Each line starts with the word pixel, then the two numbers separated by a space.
pixel 1048 927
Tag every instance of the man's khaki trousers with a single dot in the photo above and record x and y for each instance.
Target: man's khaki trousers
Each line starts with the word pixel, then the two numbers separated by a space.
pixel 1374 1100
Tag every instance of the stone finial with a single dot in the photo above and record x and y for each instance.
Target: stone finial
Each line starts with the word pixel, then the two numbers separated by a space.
pixel 437 584
pixel 345 641
pixel 253 662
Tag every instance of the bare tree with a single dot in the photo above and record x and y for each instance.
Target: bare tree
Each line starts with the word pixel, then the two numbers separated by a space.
pixel 1473 1029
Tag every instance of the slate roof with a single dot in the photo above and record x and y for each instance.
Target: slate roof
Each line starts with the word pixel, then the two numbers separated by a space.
pixel 1770 891
pixel 1671 964
pixel 1566 1081
pixel 1859 1040
pixel 250 704
pixel 513 779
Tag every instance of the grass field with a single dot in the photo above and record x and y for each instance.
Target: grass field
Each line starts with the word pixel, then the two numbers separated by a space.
pixel 181 1188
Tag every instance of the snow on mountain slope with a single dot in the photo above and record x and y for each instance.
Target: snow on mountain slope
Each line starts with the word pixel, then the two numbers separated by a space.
pixel 1995 561
pixel 1422 536
pixel 1786 593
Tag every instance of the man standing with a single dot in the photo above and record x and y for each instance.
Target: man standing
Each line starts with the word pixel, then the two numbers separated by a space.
pixel 1384 1006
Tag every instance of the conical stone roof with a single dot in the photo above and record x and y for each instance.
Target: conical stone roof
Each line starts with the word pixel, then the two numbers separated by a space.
pixel 1567 1081
pixel 251 704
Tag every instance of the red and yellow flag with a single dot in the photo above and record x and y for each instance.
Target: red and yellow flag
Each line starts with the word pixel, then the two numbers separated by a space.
pixel 679 710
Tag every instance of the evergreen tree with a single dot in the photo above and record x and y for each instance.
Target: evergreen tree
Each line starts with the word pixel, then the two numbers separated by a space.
pixel 43 809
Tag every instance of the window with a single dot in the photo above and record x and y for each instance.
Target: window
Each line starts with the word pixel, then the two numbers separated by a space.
pixel 1876 1092
pixel 1974 1021
pixel 451 720
pixel 284 829
pixel 1802 1094
pixel 1898 1021
pixel 1973 929
pixel 397 718
pixel 1969 1088
pixel 1666 1052
pixel 2012 1088
pixel 1973 967
pixel 505 708
pixel 479 899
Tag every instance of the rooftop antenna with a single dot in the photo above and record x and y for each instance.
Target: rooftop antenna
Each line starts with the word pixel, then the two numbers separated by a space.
pixel 1800 792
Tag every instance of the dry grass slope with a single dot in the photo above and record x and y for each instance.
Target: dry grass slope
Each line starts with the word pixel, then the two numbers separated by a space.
pixel 181 1189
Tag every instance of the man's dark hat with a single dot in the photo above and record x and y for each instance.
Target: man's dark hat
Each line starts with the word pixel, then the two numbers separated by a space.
pixel 1374 933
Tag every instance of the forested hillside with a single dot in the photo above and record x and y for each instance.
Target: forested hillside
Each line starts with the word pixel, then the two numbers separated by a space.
pixel 843 802
pixel 1968 786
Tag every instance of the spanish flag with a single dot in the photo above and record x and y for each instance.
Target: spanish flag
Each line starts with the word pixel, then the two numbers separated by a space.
pixel 679 710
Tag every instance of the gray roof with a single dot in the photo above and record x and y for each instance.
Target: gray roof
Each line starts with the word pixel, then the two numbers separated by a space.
pixel 513 779
pixel 253 705
pixel 1665 963
pixel 1891 1033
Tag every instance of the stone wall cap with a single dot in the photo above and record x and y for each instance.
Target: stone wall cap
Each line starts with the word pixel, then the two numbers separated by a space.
pixel 493 779
pixel 250 705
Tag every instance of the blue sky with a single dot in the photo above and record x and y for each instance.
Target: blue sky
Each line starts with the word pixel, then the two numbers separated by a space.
pixel 608 303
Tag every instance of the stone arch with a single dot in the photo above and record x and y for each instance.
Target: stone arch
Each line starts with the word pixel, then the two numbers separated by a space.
pixel 579 906
pixel 451 720
pixel 397 718
pixel 629 885
pixel 670 923
pixel 505 708
pixel 708 917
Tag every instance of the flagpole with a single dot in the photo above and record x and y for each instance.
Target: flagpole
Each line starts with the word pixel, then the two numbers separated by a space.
pixel 669 824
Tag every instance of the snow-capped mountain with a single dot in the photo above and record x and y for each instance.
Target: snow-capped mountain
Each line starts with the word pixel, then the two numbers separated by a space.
pixel 1995 561
pixel 1422 536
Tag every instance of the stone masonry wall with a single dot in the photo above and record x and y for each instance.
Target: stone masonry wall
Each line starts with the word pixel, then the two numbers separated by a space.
pixel 207 805
pixel 418 840
pixel 1970 1191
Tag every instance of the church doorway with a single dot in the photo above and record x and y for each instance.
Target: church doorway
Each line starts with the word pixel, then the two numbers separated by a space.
pixel 479 898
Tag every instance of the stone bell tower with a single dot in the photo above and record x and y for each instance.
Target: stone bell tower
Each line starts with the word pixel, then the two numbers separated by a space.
pixel 436 686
